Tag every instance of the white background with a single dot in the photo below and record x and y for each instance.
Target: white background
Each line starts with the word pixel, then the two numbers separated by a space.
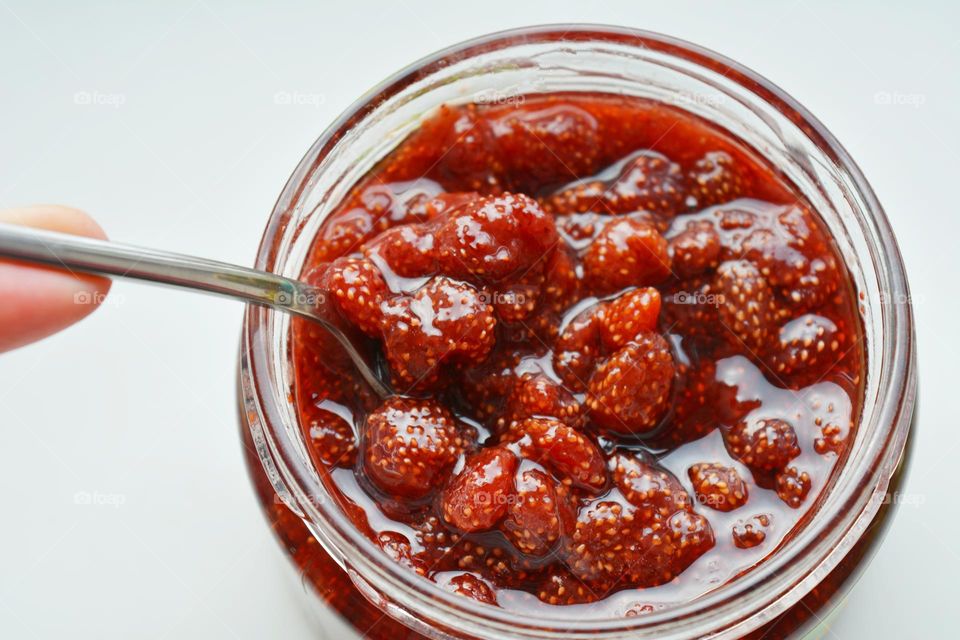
pixel 183 147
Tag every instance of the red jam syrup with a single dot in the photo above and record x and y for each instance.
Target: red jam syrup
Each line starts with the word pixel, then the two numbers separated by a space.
pixel 626 354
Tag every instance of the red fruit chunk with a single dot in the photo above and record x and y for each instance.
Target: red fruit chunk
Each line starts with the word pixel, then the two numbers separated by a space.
pixel 561 588
pixel 536 395
pixel 751 532
pixel 561 284
pixel 578 348
pixel 445 322
pixel 630 392
pixel 478 497
pixel 696 249
pixel 554 144
pixel 809 345
pixel 516 300
pixel 832 439
pixel 718 486
pixel 375 208
pixel 654 491
pixel 538 514
pixel 467 584
pixel 397 546
pixel 645 182
pixel 627 253
pixel 715 179
pixel 746 308
pixel 793 486
pixel 409 446
pixel 455 147
pixel 492 238
pixel 485 388
pixel 358 289
pixel 765 444
pixel 612 547
pixel 626 317
pixel 330 437
pixel 407 251
pixel 562 449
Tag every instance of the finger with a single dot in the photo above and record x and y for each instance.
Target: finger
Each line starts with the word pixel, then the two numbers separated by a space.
pixel 37 301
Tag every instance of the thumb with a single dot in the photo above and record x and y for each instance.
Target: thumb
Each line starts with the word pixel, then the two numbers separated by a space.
pixel 37 301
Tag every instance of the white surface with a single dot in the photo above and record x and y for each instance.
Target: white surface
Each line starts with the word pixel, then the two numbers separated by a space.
pixel 183 147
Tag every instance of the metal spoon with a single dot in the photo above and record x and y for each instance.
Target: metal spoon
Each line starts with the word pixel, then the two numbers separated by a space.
pixel 104 258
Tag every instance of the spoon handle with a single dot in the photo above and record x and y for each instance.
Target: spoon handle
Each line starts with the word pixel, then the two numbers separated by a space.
pixel 100 257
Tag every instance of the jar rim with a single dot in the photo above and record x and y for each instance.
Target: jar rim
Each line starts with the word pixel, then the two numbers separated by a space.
pixel 776 575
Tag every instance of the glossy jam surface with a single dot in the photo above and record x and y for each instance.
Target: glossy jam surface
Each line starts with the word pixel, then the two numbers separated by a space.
pixel 626 353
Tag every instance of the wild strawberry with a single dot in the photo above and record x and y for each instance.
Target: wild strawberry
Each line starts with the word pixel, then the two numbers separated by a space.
pixel 477 498
pixel 398 548
pixel 489 239
pixel 577 349
pixel 358 290
pixel 627 253
pixel 833 436
pixel 612 547
pixel 647 181
pixel 691 308
pixel 330 437
pixel 555 144
pixel 471 586
pixel 808 346
pixel 715 179
pixel 795 257
pixel 484 388
pixel 694 404
pixel 654 491
pixel 624 318
pixel 630 392
pixel 561 284
pixel 718 486
pixel 793 486
pixel 374 208
pixel 746 307
pixel 695 249
pixel 456 147
pixel 516 300
pixel 752 531
pixel 409 445
pixel 429 207
pixel 562 588
pixel 408 251
pixel 562 449
pixel 536 395
pixel 445 322
pixel 538 514
pixel 764 444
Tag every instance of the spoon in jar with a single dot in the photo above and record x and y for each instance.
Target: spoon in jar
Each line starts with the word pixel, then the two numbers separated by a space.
pixel 103 258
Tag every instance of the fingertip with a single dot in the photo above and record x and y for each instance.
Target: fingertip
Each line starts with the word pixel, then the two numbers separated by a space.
pixel 39 301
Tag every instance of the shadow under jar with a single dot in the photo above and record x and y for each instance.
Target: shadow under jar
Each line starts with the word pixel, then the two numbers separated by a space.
pixel 790 588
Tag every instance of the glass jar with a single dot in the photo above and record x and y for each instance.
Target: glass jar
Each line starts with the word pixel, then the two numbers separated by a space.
pixel 789 594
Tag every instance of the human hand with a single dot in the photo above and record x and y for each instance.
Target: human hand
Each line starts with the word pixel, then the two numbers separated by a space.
pixel 37 301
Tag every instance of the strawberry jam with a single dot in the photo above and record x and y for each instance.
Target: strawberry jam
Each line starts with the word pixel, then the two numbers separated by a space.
pixel 626 355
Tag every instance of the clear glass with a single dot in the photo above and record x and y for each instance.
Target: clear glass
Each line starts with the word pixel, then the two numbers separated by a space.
pixel 614 60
